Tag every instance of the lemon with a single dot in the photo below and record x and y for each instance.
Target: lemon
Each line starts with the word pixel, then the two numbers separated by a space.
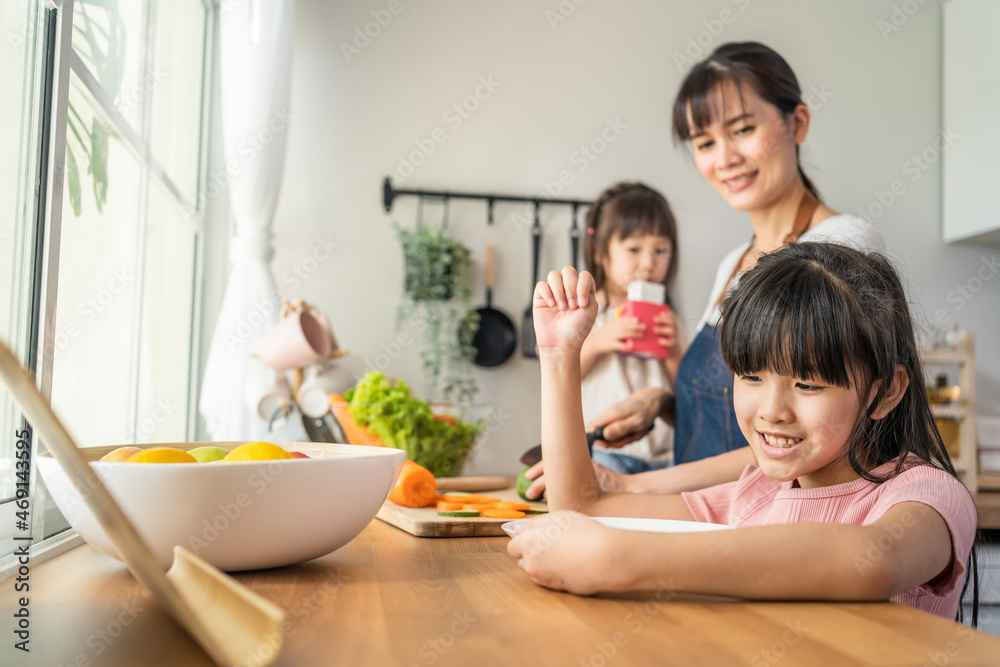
pixel 161 455
pixel 208 453
pixel 257 451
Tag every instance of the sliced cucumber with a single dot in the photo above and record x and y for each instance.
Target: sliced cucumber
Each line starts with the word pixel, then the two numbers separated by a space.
pixel 533 510
pixel 460 513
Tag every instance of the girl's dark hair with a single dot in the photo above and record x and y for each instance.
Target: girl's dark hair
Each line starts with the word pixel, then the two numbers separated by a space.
pixel 626 209
pixel 822 310
pixel 739 63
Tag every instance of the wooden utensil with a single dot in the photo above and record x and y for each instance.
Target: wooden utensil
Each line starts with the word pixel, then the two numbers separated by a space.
pixel 234 625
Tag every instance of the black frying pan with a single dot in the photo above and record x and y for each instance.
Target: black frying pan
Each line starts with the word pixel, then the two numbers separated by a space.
pixel 496 337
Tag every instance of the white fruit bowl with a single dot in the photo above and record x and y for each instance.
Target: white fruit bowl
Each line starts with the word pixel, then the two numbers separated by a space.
pixel 244 515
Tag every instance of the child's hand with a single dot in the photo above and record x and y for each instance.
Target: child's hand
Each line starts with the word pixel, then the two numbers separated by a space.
pixel 612 336
pixel 566 551
pixel 564 310
pixel 665 327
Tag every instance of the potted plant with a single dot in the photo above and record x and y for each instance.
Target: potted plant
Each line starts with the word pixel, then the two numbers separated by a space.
pixel 436 299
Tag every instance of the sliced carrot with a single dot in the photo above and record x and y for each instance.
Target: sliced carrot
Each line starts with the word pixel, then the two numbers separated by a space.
pixel 507 505
pixel 356 434
pixel 450 507
pixel 467 499
pixel 415 486
pixel 503 514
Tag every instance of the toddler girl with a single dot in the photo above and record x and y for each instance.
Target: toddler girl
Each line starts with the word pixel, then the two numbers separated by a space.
pixel 829 394
pixel 631 235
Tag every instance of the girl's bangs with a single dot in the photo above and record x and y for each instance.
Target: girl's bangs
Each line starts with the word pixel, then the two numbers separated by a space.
pixel 640 215
pixel 797 324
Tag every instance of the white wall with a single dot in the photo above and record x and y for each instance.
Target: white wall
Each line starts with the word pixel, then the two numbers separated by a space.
pixel 557 88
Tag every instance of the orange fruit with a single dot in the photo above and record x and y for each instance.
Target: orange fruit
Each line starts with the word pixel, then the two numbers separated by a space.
pixel 161 455
pixel 257 451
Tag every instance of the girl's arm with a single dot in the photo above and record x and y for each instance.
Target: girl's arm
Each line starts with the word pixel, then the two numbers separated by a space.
pixel 592 351
pixel 908 546
pixel 687 476
pixel 564 311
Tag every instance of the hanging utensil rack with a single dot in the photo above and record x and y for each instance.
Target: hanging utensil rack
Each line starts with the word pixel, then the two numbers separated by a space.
pixel 389 194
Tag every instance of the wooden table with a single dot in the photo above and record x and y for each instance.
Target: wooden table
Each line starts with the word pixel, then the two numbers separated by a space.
pixel 389 598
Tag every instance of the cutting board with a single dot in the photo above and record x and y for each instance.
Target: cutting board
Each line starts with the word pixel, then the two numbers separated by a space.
pixel 425 522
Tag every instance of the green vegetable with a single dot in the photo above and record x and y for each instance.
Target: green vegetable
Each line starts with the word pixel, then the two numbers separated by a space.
pixel 403 421
pixel 465 513
pixel 535 511
pixel 522 485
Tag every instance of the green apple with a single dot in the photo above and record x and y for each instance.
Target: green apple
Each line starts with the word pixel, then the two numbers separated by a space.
pixel 208 453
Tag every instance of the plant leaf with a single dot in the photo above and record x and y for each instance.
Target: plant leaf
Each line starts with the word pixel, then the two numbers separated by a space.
pixel 99 163
pixel 73 176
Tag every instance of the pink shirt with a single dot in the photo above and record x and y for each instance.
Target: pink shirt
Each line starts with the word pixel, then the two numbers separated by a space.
pixel 757 500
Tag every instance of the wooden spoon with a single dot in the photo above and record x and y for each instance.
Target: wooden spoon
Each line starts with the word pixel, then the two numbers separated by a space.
pixel 233 624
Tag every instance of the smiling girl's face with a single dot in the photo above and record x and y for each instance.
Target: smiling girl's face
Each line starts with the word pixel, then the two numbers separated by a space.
pixel 797 428
pixel 747 152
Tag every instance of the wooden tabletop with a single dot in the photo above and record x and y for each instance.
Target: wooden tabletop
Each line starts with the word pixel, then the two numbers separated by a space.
pixel 389 598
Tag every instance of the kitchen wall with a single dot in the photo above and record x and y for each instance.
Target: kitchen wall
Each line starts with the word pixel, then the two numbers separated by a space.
pixel 553 77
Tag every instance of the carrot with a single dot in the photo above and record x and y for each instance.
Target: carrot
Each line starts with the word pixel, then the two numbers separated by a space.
pixel 469 499
pixel 517 507
pixel 356 434
pixel 450 507
pixel 415 486
pixel 503 514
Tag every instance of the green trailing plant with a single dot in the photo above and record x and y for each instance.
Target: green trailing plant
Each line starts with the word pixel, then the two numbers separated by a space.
pixel 436 297
pixel 99 41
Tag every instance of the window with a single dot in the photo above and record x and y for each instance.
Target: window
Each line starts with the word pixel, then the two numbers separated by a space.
pixel 120 302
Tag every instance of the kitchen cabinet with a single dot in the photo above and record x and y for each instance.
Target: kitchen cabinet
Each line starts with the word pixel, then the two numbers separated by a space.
pixel 970 136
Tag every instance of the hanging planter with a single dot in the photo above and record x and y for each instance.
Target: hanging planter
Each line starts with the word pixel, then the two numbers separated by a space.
pixel 436 298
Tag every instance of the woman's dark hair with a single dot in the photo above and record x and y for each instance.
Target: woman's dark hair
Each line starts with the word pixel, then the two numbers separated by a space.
pixel 739 63
pixel 626 209
pixel 823 310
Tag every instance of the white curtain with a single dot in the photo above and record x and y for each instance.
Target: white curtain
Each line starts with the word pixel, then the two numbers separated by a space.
pixel 256 54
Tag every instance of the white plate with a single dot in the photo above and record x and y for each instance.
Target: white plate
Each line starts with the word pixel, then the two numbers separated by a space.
pixel 643 525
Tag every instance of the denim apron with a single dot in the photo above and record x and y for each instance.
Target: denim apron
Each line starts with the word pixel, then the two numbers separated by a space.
pixel 704 417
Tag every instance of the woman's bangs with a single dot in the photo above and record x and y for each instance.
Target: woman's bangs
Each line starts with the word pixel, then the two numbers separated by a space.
pixel 703 96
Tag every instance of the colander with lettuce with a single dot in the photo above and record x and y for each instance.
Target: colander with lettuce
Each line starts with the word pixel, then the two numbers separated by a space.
pixel 435 436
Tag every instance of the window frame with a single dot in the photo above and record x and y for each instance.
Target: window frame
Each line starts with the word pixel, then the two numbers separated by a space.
pixel 55 106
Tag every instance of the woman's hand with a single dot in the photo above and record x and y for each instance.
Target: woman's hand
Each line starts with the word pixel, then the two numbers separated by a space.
pixel 629 420
pixel 564 310
pixel 566 551
pixel 612 336
pixel 607 479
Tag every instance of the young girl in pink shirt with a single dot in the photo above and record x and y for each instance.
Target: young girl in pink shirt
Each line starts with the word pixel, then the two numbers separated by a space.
pixel 853 496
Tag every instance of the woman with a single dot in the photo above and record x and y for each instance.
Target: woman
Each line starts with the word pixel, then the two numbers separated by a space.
pixel 742 113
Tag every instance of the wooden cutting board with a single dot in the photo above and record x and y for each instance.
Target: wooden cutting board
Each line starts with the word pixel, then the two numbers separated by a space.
pixel 425 522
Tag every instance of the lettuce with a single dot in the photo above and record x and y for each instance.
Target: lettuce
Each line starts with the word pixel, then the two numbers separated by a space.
pixel 403 421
